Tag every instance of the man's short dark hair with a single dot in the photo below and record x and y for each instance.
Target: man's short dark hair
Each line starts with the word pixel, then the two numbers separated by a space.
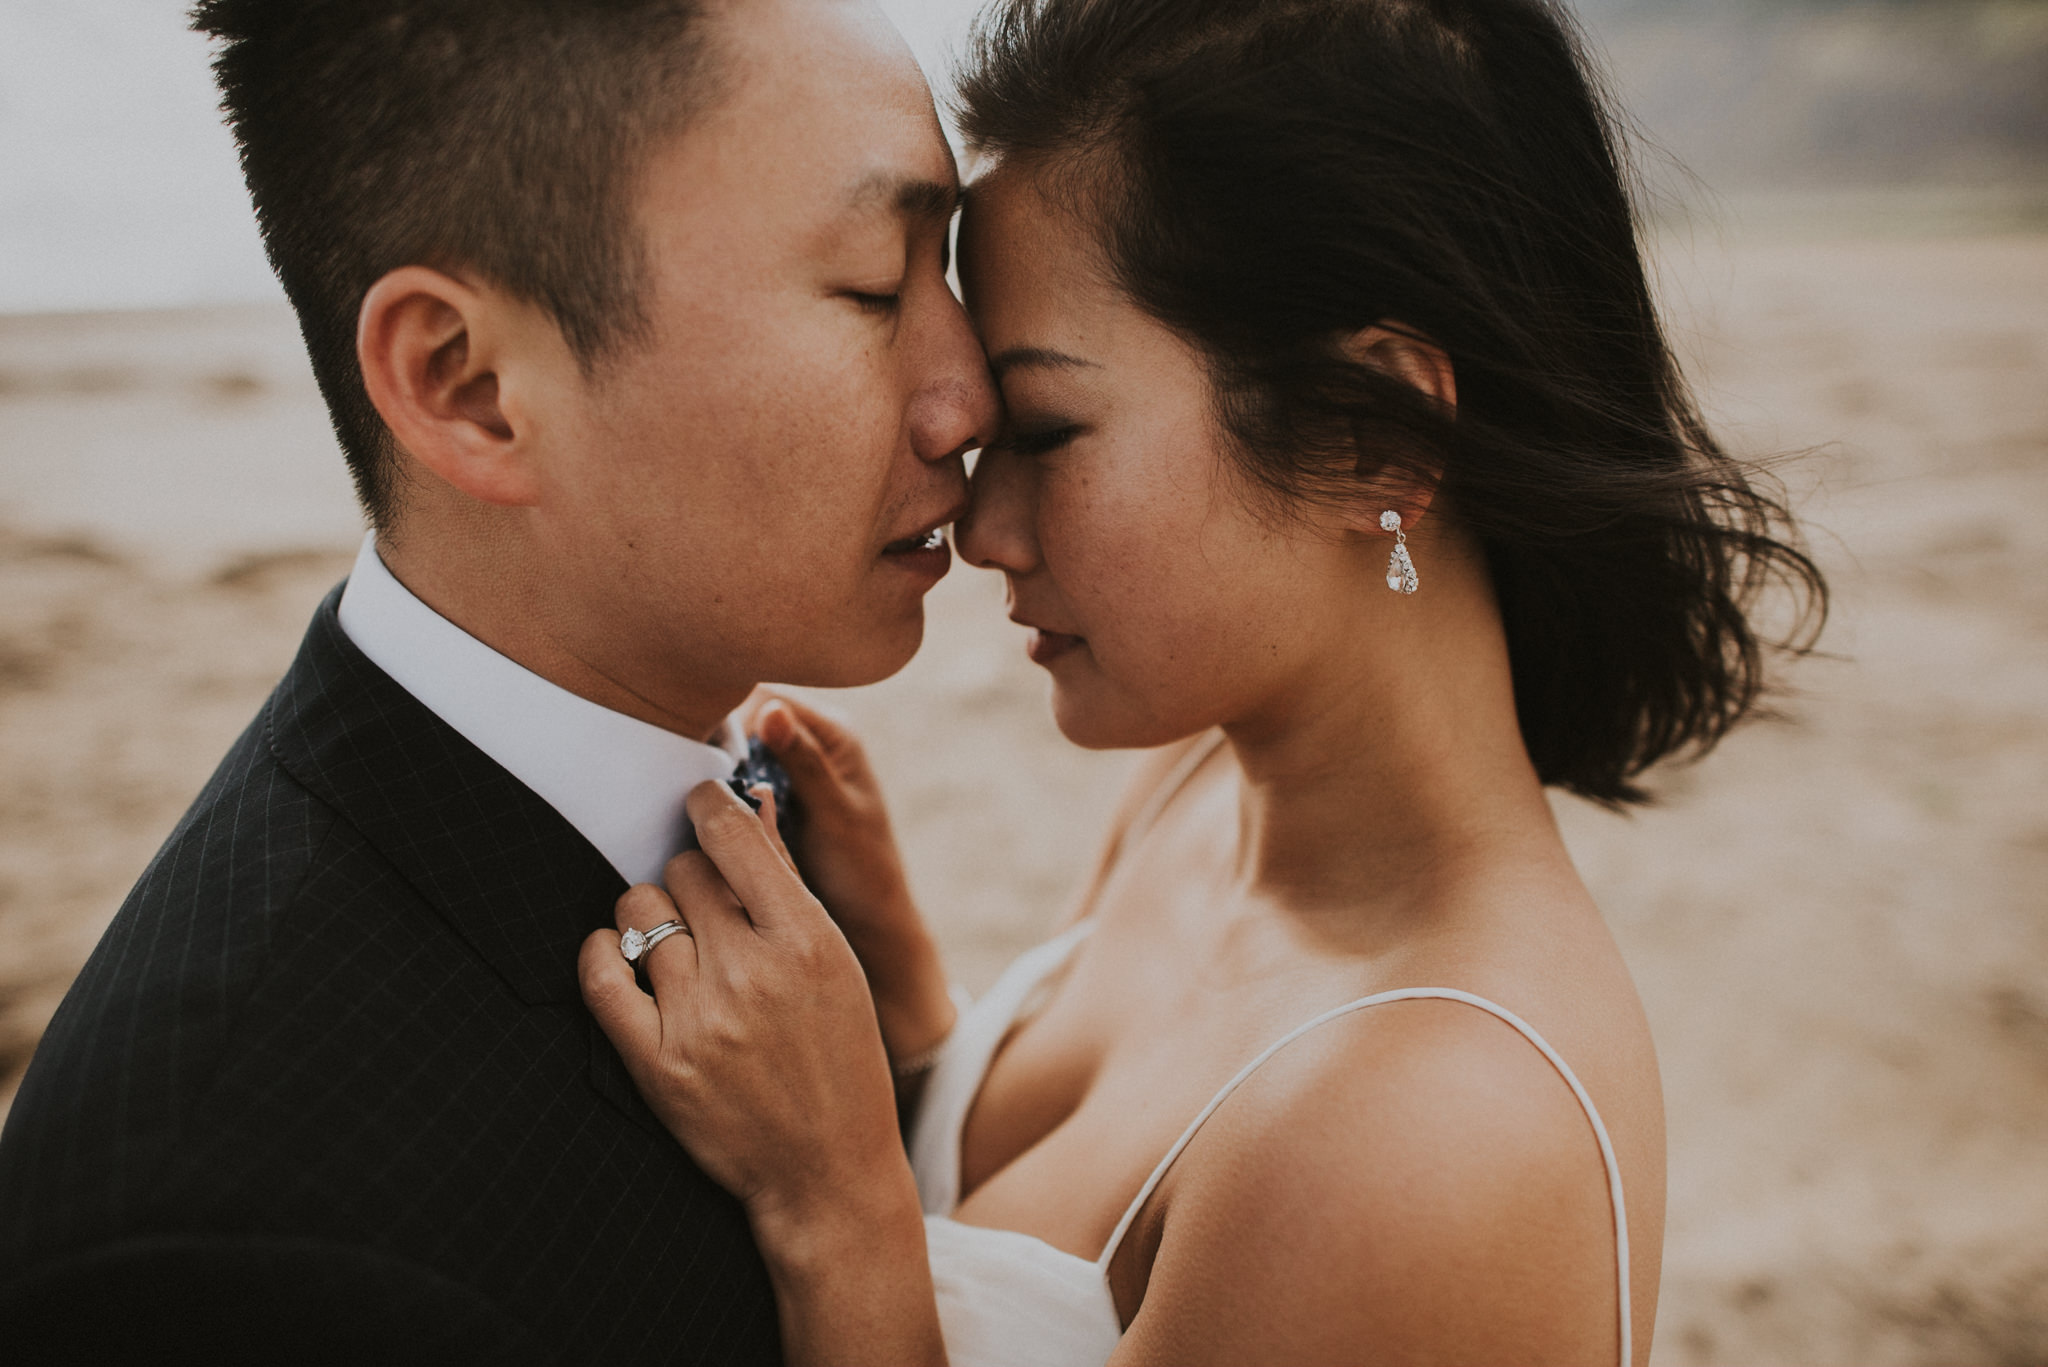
pixel 503 137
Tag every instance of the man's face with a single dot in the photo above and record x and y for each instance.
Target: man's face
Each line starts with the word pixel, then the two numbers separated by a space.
pixel 731 501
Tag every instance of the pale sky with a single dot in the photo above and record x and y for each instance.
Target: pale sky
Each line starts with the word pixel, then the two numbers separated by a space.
pixel 118 184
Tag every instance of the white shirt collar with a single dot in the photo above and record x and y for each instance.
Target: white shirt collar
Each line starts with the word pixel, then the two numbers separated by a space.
pixel 618 780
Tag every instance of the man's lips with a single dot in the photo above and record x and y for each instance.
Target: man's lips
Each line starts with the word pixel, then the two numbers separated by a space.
pixel 933 540
pixel 930 535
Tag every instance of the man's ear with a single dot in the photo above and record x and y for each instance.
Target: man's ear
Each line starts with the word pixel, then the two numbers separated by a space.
pixel 430 347
pixel 1400 351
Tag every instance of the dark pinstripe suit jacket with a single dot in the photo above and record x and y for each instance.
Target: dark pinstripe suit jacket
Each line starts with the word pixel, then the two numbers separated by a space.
pixel 326 1091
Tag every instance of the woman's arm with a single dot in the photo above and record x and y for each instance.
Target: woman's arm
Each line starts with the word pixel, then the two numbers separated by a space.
pixel 759 1052
pixel 1415 1185
pixel 853 1283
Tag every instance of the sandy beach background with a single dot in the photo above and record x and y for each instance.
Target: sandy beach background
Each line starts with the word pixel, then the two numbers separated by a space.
pixel 1837 921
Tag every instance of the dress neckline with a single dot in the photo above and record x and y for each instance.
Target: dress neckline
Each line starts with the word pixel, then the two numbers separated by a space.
pixel 936 1141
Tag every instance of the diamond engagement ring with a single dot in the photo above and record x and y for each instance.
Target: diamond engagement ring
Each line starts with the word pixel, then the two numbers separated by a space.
pixel 634 944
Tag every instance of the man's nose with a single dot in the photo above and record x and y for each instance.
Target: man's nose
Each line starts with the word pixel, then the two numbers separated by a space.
pixel 949 420
pixel 955 409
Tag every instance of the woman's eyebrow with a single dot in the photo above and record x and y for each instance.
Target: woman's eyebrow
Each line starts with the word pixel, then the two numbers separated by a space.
pixel 912 197
pixel 1032 357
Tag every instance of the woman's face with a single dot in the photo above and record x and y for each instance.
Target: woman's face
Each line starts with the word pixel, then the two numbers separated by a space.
pixel 1162 601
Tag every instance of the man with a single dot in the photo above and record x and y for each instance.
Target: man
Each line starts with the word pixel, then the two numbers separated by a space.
pixel 632 319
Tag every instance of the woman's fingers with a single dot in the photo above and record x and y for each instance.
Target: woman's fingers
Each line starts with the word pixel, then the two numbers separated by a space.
pixel 643 907
pixel 831 731
pixel 813 738
pixel 770 823
pixel 749 711
pixel 792 743
pixel 628 1016
pixel 671 964
pixel 709 906
pixel 735 840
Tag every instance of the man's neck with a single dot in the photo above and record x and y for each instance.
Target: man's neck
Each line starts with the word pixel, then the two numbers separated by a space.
pixel 501 605
pixel 618 779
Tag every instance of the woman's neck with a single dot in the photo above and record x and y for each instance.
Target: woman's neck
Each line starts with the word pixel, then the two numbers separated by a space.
pixel 1393 770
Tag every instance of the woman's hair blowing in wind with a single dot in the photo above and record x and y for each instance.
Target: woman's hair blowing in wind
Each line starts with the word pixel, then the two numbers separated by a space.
pixel 1269 177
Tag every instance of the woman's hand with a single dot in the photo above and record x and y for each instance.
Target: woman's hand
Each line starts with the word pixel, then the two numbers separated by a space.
pixel 759 1052
pixel 848 855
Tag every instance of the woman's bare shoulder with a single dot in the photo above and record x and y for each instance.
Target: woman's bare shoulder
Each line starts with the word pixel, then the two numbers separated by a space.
pixel 1413 1179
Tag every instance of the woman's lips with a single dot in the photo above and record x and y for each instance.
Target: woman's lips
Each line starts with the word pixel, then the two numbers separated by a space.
pixel 1047 646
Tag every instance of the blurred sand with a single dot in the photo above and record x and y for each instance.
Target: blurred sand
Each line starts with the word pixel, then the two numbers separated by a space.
pixel 1837 921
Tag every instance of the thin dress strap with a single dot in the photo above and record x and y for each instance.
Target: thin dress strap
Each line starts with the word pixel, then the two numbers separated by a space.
pixel 1527 1031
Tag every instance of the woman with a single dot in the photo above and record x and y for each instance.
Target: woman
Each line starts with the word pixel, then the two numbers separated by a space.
pixel 1346 464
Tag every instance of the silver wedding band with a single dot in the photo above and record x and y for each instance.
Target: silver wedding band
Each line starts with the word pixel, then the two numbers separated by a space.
pixel 635 944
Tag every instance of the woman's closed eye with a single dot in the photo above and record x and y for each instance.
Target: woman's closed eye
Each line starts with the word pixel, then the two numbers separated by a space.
pixel 875 303
pixel 1037 439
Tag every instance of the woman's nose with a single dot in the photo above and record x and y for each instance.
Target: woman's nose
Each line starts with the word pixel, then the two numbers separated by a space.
pixel 996 533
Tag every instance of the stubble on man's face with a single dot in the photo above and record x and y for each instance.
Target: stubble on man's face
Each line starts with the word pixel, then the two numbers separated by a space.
pixel 724 500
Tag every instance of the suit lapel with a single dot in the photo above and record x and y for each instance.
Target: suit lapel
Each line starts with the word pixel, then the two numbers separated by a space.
pixel 514 879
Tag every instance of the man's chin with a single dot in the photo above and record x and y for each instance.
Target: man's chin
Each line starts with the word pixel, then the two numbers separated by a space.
pixel 856 659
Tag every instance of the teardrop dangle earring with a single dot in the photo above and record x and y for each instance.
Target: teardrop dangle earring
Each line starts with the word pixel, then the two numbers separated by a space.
pixel 1400 569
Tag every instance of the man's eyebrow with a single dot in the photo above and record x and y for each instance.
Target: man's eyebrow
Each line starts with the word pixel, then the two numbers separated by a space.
pixel 911 196
pixel 1034 357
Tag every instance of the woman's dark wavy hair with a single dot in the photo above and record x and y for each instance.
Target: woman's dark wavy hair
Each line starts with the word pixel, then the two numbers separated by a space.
pixel 1268 177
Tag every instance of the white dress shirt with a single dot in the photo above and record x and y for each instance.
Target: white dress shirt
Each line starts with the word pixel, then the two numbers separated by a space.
pixel 618 780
